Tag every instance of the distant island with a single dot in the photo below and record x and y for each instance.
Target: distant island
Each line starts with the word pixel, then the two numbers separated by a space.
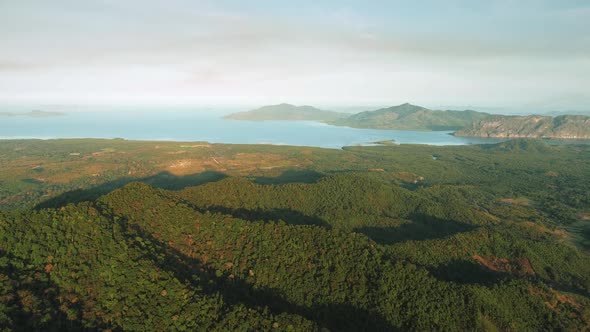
pixel 412 117
pixel 33 114
pixel 287 112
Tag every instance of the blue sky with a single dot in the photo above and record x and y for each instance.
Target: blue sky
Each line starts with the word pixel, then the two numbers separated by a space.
pixel 518 54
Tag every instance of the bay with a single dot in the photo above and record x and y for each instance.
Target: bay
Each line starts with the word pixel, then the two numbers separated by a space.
pixel 196 124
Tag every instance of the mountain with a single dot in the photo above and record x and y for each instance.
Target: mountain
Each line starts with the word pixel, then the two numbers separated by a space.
pixel 531 126
pixel 286 112
pixel 411 117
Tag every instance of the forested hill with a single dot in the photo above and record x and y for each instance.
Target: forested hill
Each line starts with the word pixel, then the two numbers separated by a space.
pixel 286 112
pixel 345 253
pixel 403 117
pixel 411 117
pixel 532 126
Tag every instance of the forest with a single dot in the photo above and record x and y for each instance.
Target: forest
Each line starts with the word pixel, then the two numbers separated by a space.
pixel 129 235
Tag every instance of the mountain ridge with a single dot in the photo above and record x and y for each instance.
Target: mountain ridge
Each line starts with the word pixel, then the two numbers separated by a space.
pixel 407 116
pixel 411 117
pixel 530 126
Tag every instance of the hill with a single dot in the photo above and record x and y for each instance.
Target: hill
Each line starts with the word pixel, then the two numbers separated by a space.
pixel 286 112
pixel 130 235
pixel 346 254
pixel 532 126
pixel 411 117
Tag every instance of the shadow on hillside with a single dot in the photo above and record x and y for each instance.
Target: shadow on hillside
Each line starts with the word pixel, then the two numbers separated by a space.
pixel 422 227
pixel 412 186
pixel 193 272
pixel 163 180
pixel 291 176
pixel 470 272
pixel 464 271
pixel 289 216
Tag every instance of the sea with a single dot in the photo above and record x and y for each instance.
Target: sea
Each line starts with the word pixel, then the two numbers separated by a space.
pixel 172 123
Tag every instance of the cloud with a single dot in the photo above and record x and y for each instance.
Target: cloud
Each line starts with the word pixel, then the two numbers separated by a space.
pixel 320 51
pixel 13 66
pixel 181 35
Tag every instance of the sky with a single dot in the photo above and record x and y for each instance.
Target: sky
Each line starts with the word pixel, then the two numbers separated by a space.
pixel 495 53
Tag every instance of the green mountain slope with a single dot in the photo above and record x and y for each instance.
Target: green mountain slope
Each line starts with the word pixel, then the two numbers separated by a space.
pixel 532 126
pixel 346 253
pixel 286 112
pixel 411 117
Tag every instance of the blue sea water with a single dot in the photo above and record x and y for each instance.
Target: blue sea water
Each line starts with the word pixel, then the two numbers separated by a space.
pixel 194 124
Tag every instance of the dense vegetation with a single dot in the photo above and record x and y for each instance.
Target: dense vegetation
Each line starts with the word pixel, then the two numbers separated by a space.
pixel 367 238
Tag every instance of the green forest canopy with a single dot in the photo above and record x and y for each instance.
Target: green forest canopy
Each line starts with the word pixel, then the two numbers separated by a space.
pixel 474 239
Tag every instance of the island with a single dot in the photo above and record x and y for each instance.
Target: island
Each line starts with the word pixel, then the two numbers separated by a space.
pixel 412 117
pixel 287 112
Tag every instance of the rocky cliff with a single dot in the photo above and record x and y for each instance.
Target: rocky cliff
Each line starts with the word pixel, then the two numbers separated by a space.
pixel 531 126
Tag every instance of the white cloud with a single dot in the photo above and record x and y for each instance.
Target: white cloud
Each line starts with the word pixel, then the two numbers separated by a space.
pixel 157 51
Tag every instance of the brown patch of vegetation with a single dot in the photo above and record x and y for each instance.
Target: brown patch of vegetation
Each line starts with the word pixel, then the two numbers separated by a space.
pixel 243 162
pixel 266 168
pixel 62 173
pixel 48 268
pixel 552 174
pixel 556 301
pixel 181 164
pixel 520 267
pixel 102 152
pixel 491 216
pixel 196 146
pixel 408 177
pixel 186 166
pixel 523 201
pixel 26 299
pixel 561 234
